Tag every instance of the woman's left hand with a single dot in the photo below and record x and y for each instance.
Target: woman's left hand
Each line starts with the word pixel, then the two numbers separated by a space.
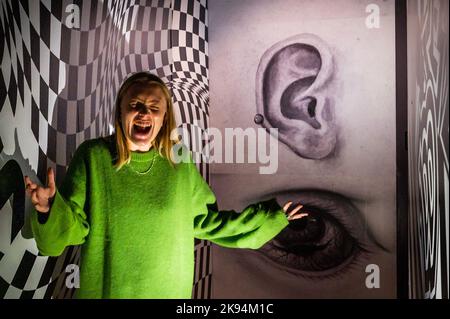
pixel 295 213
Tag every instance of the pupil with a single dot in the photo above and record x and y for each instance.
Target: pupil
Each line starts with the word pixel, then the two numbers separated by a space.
pixel 309 229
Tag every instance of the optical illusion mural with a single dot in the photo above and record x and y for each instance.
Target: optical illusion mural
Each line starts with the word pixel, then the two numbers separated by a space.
pixel 62 63
pixel 428 115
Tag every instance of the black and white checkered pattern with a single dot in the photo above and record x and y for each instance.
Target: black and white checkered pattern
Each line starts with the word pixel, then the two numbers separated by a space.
pixel 69 79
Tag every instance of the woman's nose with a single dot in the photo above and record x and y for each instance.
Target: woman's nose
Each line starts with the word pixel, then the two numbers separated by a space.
pixel 144 109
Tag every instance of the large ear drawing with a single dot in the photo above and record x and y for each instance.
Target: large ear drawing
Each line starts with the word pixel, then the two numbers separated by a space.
pixel 294 93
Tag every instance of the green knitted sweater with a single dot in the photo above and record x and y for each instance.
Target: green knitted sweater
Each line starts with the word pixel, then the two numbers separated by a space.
pixel 138 230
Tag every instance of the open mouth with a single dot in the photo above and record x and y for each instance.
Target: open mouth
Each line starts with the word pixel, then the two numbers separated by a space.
pixel 142 128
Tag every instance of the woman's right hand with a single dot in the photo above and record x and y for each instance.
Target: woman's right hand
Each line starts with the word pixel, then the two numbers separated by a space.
pixel 41 197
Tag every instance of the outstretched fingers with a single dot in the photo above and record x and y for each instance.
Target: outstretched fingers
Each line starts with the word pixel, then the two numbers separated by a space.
pixel 296 209
pixel 29 186
pixel 295 214
pixel 286 206
pixel 301 215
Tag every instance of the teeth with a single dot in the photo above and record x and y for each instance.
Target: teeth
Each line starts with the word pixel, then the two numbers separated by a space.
pixel 143 124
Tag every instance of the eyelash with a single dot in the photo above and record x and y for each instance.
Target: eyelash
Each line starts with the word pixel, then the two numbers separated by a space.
pixel 356 260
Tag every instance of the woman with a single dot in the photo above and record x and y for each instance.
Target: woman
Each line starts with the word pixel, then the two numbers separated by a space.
pixel 135 211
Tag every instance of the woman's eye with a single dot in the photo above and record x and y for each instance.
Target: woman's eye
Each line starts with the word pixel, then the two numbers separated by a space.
pixel 142 106
pixel 325 242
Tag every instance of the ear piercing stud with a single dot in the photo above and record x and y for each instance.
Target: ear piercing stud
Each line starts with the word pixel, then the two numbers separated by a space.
pixel 259 118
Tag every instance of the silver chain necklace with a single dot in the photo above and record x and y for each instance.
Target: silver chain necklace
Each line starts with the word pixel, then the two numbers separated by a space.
pixel 148 170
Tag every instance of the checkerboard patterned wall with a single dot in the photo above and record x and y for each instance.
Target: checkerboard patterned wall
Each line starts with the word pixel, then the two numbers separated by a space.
pixel 58 83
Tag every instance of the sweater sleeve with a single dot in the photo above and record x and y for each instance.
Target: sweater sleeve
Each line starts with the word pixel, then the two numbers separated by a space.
pixel 253 227
pixel 66 223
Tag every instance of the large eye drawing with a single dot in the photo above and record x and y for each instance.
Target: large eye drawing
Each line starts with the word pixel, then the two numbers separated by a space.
pixel 329 241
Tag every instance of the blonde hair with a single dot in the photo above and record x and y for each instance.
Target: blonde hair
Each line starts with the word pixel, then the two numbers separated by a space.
pixel 162 142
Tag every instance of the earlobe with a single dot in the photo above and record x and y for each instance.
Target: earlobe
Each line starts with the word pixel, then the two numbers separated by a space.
pixel 294 94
